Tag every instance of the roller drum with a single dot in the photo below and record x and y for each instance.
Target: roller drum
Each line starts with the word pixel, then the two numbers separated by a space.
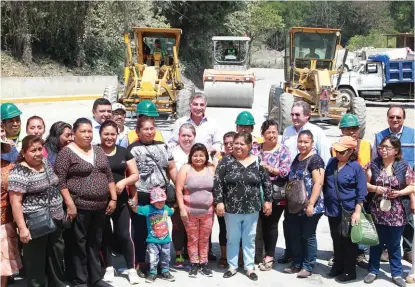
pixel 229 94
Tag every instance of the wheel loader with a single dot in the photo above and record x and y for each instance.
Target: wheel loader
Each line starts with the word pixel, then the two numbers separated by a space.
pixel 308 69
pixel 155 75
pixel 230 83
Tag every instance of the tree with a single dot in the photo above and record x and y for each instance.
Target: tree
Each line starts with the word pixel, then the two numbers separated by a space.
pixel 403 14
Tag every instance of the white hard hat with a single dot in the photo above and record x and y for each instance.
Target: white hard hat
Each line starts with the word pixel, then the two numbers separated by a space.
pixel 118 106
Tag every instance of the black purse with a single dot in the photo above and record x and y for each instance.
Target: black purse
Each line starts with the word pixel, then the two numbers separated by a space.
pixel 346 216
pixel 41 223
pixel 170 189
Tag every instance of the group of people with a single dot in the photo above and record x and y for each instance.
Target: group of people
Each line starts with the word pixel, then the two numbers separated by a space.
pixel 110 189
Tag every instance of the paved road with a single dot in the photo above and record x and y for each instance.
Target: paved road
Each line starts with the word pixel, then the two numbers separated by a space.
pixel 376 119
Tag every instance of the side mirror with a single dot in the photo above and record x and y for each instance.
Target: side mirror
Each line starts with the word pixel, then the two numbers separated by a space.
pixel 372 68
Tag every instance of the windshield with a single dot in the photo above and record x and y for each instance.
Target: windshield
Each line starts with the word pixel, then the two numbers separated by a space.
pixel 314 45
pixel 166 45
pixel 230 52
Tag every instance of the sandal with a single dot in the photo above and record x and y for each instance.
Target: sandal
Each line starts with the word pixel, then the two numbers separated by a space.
pixel 252 276
pixel 223 263
pixel 266 265
pixel 229 274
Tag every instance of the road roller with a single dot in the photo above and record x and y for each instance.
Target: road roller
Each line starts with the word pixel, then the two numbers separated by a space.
pixel 230 83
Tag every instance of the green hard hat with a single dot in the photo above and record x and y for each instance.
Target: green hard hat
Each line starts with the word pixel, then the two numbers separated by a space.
pixel 349 120
pixel 147 108
pixel 9 111
pixel 245 118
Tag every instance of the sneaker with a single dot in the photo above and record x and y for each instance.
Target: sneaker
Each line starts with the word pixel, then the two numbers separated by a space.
pixel 205 270
pixel 194 268
pixel 179 263
pixel 167 276
pixel 151 278
pixel 398 280
pixel 133 276
pixel 109 274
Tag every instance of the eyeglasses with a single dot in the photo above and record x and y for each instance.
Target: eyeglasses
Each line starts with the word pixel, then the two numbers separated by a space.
pixel 397 117
pixel 296 114
pixel 387 147
pixel 342 152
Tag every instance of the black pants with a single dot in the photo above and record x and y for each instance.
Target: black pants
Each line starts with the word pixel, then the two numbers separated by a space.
pixel 179 236
pixel 44 255
pixel 140 231
pixel 408 235
pixel 345 251
pixel 122 235
pixel 286 230
pixel 87 229
pixel 222 231
pixel 270 228
pixel 68 238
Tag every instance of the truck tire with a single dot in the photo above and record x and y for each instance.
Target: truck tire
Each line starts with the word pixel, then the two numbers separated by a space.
pixel 347 98
pixel 359 109
pixel 111 94
pixel 281 112
pixel 274 94
pixel 183 101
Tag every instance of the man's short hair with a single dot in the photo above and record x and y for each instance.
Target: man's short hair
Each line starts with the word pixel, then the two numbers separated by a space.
pixel 399 107
pixel 100 102
pixel 198 95
pixel 230 134
pixel 306 107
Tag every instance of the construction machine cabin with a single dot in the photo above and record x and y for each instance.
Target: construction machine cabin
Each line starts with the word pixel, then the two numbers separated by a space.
pixel 155 75
pixel 308 68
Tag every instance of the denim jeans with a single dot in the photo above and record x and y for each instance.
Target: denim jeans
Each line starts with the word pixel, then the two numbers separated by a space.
pixel 302 230
pixel 391 237
pixel 158 254
pixel 241 226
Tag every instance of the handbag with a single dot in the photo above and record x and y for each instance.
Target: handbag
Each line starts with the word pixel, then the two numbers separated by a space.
pixel 41 223
pixel 364 232
pixel 261 190
pixel 346 216
pixel 296 193
pixel 170 189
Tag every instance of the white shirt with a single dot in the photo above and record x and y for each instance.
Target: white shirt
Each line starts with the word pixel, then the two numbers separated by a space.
pixel 96 140
pixel 122 135
pixel 180 157
pixel 206 132
pixel 321 145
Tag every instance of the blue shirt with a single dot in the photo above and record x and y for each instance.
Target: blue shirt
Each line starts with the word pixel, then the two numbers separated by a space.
pixel 351 181
pixel 10 156
pixel 158 229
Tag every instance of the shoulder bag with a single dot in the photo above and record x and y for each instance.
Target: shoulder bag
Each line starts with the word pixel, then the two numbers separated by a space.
pixel 170 189
pixel 296 193
pixel 41 223
pixel 346 216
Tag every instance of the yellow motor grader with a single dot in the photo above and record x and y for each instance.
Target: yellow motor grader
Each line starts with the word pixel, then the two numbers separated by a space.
pixel 156 74
pixel 308 69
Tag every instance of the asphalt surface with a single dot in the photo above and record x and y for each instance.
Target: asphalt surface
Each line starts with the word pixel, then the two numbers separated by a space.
pixel 376 121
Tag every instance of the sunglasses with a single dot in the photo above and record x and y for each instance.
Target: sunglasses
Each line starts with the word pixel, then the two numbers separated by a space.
pixel 342 152
pixel 395 117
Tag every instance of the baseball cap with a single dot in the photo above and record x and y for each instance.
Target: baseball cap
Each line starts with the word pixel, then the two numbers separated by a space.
pixel 157 194
pixel 344 143
pixel 118 106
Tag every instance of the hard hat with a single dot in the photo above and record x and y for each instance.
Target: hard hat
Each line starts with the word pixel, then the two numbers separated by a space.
pixel 349 120
pixel 147 108
pixel 245 118
pixel 9 111
pixel 118 106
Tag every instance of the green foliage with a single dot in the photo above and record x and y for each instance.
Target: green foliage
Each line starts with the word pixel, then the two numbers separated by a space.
pixel 403 14
pixel 373 39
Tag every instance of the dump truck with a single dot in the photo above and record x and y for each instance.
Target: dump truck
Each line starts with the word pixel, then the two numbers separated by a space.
pixel 309 63
pixel 230 83
pixel 155 75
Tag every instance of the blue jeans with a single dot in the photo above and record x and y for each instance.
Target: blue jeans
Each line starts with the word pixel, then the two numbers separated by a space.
pixel 302 230
pixel 391 237
pixel 241 226
pixel 158 253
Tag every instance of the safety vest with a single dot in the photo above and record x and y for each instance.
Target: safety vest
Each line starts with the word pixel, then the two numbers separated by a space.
pixel 363 154
pixel 133 136
pixel 407 143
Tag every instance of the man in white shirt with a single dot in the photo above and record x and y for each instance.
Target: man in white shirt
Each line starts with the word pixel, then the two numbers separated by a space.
pixel 300 115
pixel 118 115
pixel 206 128
pixel 101 111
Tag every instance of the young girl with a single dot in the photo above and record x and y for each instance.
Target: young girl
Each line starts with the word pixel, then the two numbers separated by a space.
pixel 194 184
